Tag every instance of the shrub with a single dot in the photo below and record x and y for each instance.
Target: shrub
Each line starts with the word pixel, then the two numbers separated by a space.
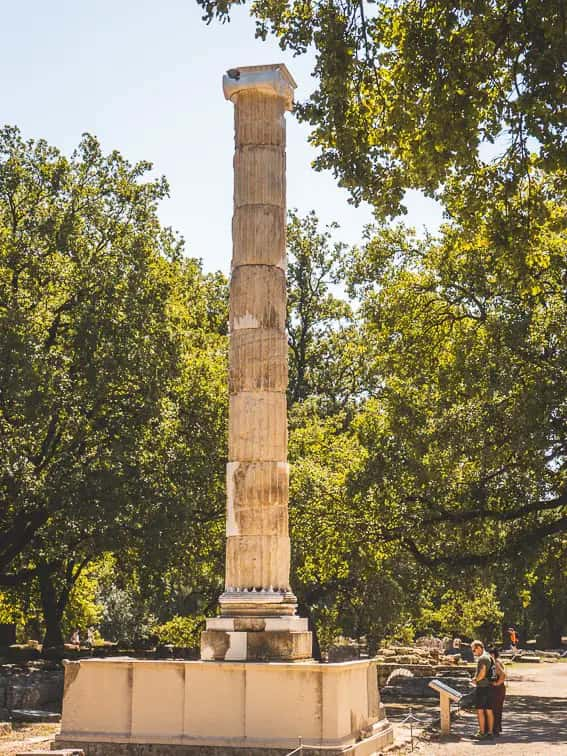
pixel 181 631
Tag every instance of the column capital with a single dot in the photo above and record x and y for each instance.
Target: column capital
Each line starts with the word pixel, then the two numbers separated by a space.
pixel 273 80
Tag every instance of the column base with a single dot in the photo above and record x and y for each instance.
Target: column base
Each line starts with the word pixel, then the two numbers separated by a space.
pixel 256 639
pixel 252 603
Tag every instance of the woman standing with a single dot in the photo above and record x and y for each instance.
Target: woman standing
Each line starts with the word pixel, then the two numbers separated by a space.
pixel 498 691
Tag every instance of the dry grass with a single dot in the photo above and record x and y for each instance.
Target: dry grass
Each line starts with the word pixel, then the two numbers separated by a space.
pixel 36 737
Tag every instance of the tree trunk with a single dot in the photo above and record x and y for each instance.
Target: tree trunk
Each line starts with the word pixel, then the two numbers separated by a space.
pixel 52 607
pixel 555 628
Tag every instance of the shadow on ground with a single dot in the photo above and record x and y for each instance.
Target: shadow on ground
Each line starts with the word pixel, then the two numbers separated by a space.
pixel 532 718
pixel 526 719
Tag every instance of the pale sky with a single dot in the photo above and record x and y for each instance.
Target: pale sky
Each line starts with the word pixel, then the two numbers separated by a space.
pixel 145 78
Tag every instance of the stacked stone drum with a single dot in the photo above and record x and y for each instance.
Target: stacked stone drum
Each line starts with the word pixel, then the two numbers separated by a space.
pixel 258 609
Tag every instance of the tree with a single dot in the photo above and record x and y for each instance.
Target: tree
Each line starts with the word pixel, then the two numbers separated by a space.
pixel 533 593
pixel 320 325
pixel 472 611
pixel 411 93
pixel 466 426
pixel 345 583
pixel 110 352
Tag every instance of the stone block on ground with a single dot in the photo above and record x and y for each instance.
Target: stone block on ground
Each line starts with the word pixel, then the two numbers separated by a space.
pixel 346 652
pixel 429 642
pixel 403 686
pixel 31 692
pixel 404 650
pixel 34 715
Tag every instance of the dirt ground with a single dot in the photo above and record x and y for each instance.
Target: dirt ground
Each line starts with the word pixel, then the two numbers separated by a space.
pixel 36 737
pixel 534 722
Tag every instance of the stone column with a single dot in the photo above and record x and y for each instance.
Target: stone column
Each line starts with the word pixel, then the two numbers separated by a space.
pixel 258 609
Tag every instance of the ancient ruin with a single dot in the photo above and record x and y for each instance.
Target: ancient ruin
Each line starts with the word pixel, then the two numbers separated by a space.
pixel 258 609
pixel 256 689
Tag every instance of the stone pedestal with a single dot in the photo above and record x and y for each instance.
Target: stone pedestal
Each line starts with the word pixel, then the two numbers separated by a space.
pixel 125 707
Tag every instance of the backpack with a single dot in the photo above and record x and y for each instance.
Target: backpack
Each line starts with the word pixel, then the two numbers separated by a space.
pixel 492 672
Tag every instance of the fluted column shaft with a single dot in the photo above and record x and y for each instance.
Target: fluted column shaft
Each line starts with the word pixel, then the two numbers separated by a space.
pixel 258 546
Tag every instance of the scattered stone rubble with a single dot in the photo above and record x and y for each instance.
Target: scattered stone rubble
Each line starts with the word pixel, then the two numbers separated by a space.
pixel 413 655
pixel 406 671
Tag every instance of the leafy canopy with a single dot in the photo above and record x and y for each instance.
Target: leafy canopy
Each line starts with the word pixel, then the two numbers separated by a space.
pixel 112 363
pixel 410 93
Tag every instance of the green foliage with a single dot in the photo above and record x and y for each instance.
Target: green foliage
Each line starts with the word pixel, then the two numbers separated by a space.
pixel 467 457
pixel 112 360
pixel 21 606
pixel 428 401
pixel 181 631
pixel 472 613
pixel 350 584
pixel 453 455
pixel 321 333
pixel 411 93
pixel 83 609
pixel 12 612
pixel 85 282
pixel 125 617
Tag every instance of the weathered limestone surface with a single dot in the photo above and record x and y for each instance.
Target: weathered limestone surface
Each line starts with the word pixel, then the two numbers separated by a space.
pixel 259 236
pixel 146 707
pixel 259 560
pixel 260 120
pixel 257 298
pixel 257 586
pixel 258 360
pixel 257 430
pixel 249 486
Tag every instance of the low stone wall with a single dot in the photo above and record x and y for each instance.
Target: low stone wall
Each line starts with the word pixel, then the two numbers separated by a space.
pixel 385 669
pixel 407 687
pixel 398 682
pixel 32 686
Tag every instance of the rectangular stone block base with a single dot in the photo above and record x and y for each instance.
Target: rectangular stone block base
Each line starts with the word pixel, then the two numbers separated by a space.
pixel 126 707
pixel 256 639
pixel 219 645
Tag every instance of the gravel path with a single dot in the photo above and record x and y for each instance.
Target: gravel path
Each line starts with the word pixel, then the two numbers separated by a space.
pixel 534 721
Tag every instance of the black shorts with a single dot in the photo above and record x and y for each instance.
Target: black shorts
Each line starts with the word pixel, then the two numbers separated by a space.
pixel 484 697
